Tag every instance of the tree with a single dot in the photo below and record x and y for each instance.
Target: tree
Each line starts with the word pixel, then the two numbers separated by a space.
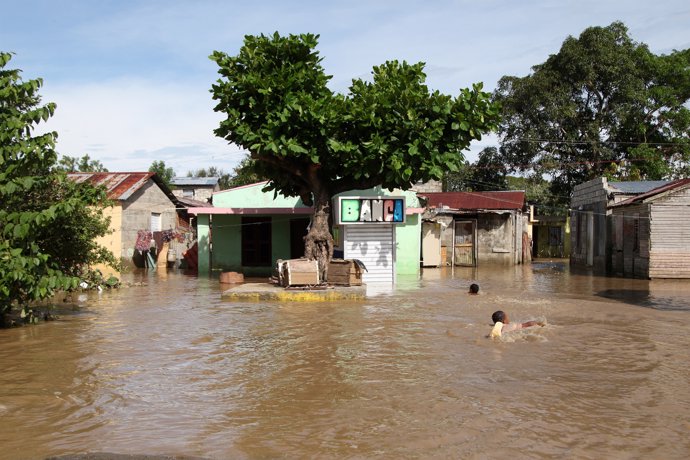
pixel 489 172
pixel 165 174
pixel 244 173
pixel 603 105
pixel 48 221
pixel 313 143
pixel 83 164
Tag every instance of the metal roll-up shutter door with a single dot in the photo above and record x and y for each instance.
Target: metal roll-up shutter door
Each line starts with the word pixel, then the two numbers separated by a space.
pixel 374 245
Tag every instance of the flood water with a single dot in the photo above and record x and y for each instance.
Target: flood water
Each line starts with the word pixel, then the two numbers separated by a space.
pixel 171 369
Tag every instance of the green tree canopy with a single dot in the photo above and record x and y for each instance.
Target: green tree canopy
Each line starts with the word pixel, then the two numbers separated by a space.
pixel 166 174
pixel 313 143
pixel 489 172
pixel 244 173
pixel 83 164
pixel 603 105
pixel 49 222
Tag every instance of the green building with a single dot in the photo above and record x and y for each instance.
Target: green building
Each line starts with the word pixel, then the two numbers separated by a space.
pixel 247 230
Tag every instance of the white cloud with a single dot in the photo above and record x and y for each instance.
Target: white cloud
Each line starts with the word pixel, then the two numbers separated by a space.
pixel 129 123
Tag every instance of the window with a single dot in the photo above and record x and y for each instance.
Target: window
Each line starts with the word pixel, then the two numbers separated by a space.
pixel 188 192
pixel 256 241
pixel 156 222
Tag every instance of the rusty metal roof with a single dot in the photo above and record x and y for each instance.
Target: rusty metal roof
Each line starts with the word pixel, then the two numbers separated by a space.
pixel 120 185
pixel 476 200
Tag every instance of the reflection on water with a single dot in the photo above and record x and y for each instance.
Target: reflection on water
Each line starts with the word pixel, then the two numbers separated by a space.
pixel 171 369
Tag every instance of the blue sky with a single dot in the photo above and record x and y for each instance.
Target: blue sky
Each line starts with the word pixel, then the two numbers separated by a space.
pixel 131 79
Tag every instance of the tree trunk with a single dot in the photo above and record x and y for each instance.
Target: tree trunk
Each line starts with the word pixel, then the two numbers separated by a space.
pixel 318 244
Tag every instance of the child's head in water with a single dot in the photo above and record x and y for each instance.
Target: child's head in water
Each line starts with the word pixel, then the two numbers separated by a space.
pixel 474 288
pixel 499 317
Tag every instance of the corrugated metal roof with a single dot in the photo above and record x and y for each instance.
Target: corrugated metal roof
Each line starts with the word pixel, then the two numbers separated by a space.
pixel 181 181
pixel 476 200
pixel 120 185
pixel 640 186
pixel 663 188
pixel 191 203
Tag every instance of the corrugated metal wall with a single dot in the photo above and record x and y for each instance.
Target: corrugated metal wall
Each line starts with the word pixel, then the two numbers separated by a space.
pixel 670 237
pixel 374 245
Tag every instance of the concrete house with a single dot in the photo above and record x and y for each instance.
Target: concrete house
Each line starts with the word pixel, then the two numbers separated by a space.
pixel 247 230
pixel 195 188
pixel 590 229
pixel 651 233
pixel 141 201
pixel 474 228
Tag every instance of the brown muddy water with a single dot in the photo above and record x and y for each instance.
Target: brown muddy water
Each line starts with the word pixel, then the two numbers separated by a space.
pixel 171 369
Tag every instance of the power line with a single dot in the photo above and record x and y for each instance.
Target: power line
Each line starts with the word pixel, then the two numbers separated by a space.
pixel 595 141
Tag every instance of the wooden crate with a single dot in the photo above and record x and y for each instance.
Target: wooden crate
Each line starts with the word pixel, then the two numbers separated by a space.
pixel 344 273
pixel 299 272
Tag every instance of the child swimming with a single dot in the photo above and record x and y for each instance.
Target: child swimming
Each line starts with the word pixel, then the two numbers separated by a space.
pixel 502 324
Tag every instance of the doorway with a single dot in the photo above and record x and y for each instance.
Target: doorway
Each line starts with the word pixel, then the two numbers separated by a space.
pixel 298 230
pixel 464 247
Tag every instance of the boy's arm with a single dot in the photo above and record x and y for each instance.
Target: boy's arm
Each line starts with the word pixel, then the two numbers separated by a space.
pixel 533 323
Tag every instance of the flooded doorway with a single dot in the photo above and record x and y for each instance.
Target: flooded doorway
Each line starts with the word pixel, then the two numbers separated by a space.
pixel 464 245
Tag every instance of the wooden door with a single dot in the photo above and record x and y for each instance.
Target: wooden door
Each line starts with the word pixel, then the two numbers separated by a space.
pixel 464 248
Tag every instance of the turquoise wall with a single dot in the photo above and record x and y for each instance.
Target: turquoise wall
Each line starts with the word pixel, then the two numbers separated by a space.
pixel 251 196
pixel 408 246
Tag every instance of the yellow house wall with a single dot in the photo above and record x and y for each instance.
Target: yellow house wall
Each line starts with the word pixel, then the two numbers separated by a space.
pixel 113 240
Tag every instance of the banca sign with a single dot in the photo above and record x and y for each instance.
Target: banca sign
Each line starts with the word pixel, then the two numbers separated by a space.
pixel 371 210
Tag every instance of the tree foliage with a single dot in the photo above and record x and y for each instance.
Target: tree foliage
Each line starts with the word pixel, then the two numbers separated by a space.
pixel 244 173
pixel 313 143
pixel 83 164
pixel 166 174
pixel 489 172
pixel 48 221
pixel 603 105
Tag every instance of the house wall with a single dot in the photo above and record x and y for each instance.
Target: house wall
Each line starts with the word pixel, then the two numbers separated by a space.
pixel 652 240
pixel 252 196
pixel 428 187
pixel 136 215
pixel 408 246
pixel 204 239
pixel 588 225
pixel 630 242
pixel 670 236
pixel 226 253
pixel 225 230
pixel 496 239
pixel 113 240
pixel 431 244
pixel 201 193
pixel 499 237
